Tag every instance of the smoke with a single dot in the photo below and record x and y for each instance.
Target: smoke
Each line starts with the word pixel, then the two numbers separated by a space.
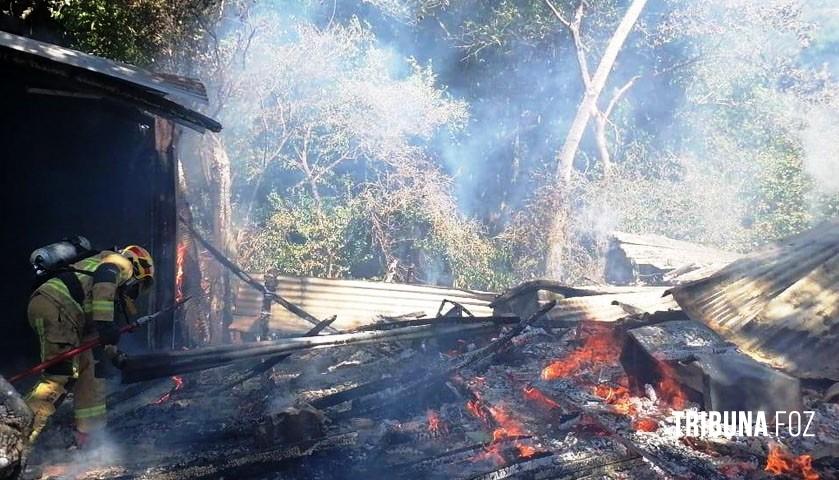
pixel 729 95
pixel 89 461
pixel 820 141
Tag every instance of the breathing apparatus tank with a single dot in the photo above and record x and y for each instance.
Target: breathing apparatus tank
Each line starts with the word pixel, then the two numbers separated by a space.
pixel 60 254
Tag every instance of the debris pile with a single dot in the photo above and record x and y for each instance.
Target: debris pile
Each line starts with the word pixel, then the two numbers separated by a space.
pixel 556 384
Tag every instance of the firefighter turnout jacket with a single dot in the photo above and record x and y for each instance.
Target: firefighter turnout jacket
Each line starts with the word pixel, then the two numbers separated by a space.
pixel 65 311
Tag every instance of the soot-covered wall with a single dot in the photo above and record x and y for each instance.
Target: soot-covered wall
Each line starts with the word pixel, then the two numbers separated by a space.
pixel 74 166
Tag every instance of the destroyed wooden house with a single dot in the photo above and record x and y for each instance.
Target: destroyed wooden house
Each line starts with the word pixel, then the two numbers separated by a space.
pixel 90 149
pixel 542 381
pixel 409 381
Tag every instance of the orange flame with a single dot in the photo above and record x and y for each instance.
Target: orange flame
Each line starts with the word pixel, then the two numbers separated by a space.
pixel 601 346
pixel 475 407
pixel 526 451
pixel 781 462
pixel 508 428
pixel 617 397
pixel 669 391
pixel 645 425
pixel 180 257
pixel 536 395
pixel 435 424
pixel 177 384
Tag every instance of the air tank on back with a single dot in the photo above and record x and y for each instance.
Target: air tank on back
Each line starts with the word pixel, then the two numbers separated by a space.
pixel 59 254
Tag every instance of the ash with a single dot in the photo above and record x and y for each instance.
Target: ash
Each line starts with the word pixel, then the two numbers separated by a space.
pixel 398 411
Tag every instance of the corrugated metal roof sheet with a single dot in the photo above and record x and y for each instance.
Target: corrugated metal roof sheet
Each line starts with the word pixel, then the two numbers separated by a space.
pixel 166 95
pixel 600 303
pixel 658 260
pixel 600 308
pixel 780 305
pixel 355 302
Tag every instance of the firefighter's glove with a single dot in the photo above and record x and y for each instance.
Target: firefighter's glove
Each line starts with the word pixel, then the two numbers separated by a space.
pixel 108 333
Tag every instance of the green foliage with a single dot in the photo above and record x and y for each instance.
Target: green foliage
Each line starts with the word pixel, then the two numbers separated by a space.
pixel 346 130
pixel 300 238
pixel 135 31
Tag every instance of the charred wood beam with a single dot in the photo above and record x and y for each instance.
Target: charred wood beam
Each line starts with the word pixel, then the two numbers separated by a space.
pixel 395 395
pixel 358 391
pixel 250 464
pixel 594 467
pixel 269 363
pixel 487 355
pixel 410 469
pixel 498 319
pixel 155 365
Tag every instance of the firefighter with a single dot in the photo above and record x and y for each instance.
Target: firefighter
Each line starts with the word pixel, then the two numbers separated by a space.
pixel 75 306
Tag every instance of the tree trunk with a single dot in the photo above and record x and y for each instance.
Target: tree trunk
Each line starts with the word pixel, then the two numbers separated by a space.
pixel 197 330
pixel 600 122
pixel 216 165
pixel 557 234
pixel 589 103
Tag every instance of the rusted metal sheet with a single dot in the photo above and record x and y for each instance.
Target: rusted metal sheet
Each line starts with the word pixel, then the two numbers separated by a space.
pixel 658 260
pixel 355 302
pixel 780 305
pixel 75 73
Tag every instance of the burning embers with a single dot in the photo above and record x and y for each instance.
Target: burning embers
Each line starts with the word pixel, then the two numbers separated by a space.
pixel 600 346
pixel 177 384
pixel 781 462
pixel 535 395
pixel 506 429
pixel 617 396
pixel 436 426
pixel 670 393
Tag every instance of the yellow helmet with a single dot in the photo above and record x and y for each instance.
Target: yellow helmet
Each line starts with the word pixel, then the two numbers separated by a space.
pixel 141 260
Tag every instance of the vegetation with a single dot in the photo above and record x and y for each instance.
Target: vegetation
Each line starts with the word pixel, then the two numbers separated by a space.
pixel 419 140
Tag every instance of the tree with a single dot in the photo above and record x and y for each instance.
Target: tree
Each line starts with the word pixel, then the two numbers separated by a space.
pixel 588 106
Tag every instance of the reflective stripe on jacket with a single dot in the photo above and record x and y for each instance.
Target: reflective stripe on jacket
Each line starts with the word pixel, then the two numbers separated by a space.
pixel 108 270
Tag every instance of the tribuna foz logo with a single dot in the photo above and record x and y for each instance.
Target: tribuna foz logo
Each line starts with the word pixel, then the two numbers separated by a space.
pixel 693 423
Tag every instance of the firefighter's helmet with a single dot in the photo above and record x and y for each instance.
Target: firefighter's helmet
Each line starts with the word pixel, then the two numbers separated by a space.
pixel 141 260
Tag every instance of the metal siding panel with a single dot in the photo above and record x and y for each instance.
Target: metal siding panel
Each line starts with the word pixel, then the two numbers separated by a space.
pixel 355 302
pixel 780 305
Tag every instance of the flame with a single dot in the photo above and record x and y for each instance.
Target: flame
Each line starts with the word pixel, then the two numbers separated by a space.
pixel 526 451
pixel 435 424
pixel 617 397
pixel 177 384
pixel 781 462
pixel 507 426
pixel 669 391
pixel 601 346
pixel 180 257
pixel 508 429
pixel 536 395
pixel 645 425
pixel 475 407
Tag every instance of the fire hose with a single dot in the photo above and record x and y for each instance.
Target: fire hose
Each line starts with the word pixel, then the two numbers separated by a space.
pixel 90 344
